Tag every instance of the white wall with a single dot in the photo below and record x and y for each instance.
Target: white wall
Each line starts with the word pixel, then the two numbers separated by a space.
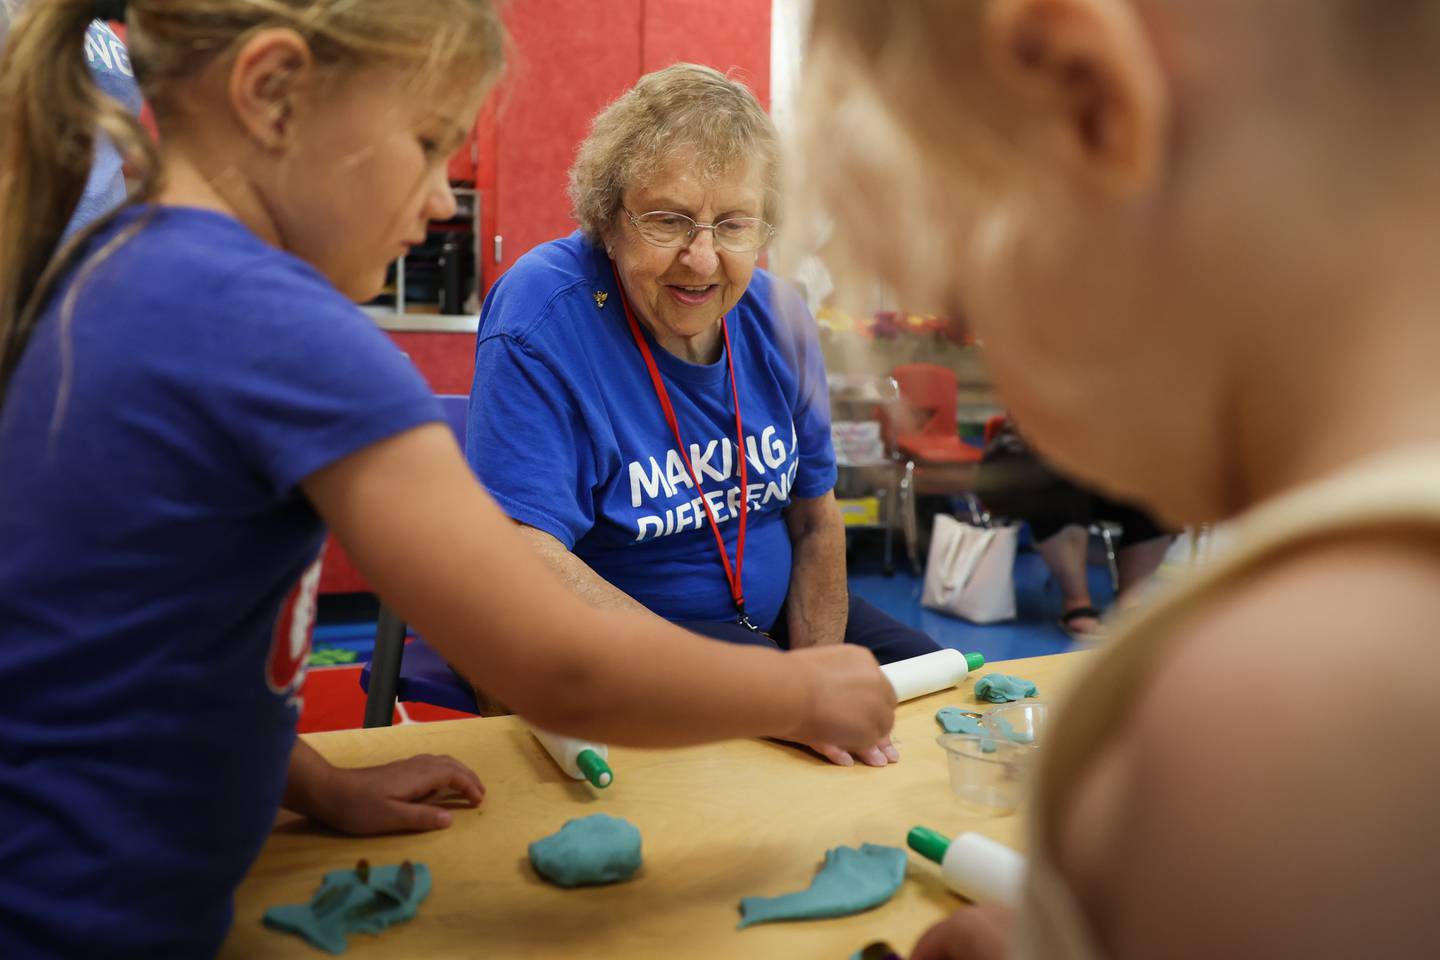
pixel 787 31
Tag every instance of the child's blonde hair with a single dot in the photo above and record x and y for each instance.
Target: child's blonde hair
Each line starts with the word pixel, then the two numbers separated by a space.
pixel 899 112
pixel 879 127
pixel 51 108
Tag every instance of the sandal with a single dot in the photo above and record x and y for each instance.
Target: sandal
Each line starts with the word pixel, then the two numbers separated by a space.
pixel 1080 613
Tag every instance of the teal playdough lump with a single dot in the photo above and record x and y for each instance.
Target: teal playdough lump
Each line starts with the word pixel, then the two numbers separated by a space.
pixel 954 720
pixel 351 902
pixel 1011 734
pixel 850 881
pixel 588 851
pixel 1000 688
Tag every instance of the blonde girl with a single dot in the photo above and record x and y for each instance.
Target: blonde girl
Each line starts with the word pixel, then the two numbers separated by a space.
pixel 190 397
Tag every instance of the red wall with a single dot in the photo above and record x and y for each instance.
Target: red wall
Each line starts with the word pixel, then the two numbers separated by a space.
pixel 446 359
pixel 570 58
pixel 735 40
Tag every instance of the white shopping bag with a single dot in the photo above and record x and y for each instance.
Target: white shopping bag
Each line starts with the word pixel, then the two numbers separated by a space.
pixel 971 571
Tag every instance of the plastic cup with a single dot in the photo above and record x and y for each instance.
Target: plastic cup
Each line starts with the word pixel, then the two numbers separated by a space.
pixel 987 774
pixel 1021 722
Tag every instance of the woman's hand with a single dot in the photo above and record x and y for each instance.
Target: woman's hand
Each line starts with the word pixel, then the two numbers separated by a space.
pixel 882 753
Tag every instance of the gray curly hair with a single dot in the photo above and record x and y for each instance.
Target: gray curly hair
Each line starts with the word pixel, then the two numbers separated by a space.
pixel 682 107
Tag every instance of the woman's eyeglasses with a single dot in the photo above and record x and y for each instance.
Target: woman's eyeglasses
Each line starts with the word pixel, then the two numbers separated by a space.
pixel 662 228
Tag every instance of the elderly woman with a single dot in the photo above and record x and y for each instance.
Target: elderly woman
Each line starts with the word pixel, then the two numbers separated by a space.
pixel 651 406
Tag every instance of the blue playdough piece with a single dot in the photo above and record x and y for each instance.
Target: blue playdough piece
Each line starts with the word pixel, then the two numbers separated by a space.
pixel 343 905
pixel 850 881
pixel 1000 688
pixel 591 850
pixel 953 720
pixel 1011 734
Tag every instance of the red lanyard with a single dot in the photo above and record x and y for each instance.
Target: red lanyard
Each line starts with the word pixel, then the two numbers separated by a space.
pixel 737 589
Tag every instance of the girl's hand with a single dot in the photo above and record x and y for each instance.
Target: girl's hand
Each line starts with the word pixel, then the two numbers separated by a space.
pixel 406 795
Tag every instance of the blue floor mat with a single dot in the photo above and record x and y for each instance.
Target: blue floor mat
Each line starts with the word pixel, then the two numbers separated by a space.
pixel 1033 633
pixel 357 636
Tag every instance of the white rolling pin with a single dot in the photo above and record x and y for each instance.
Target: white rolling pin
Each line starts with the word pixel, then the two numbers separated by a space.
pixel 976 867
pixel 931 672
pixel 579 759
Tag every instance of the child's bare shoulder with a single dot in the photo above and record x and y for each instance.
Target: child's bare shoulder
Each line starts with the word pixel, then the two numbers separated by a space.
pixel 1280 745
pixel 1325 620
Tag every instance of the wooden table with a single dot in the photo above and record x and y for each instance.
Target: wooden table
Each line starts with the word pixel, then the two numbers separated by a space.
pixel 720 822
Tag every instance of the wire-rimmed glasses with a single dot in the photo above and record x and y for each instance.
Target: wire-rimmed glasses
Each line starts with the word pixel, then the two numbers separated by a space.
pixel 664 228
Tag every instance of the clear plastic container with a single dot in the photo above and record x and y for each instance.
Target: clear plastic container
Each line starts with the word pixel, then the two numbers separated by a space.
pixel 1020 722
pixel 988 774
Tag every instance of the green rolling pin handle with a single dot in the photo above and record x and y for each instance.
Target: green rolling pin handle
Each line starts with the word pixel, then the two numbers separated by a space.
pixel 930 844
pixel 596 770
pixel 974 661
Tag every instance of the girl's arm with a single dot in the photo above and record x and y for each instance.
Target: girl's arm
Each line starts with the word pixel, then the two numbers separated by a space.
pixel 422 530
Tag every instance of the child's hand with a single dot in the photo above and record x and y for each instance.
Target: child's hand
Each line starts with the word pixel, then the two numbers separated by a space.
pixel 970 933
pixel 851 705
pixel 395 797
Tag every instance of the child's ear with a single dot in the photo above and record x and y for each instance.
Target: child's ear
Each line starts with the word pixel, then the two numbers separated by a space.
pixel 1085 72
pixel 264 85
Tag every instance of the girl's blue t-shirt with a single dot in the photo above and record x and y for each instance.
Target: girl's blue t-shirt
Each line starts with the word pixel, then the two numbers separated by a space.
pixel 158 574
pixel 566 432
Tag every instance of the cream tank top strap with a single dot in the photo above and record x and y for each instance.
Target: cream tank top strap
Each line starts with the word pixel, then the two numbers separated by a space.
pixel 1397 489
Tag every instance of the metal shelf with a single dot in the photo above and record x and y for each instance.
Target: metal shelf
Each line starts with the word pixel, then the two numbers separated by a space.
pixel 397 318
pixel 387 319
pixel 865 390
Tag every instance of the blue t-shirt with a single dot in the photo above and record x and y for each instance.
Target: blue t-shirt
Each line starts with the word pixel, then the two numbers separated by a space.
pixel 154 533
pixel 566 432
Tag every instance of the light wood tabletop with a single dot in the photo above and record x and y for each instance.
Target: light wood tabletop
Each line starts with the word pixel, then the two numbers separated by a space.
pixel 719 822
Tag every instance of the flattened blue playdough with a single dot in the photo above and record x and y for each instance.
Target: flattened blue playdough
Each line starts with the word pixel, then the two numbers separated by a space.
pixel 850 881
pixel 953 720
pixel 1011 734
pixel 588 851
pixel 1000 688
pixel 343 905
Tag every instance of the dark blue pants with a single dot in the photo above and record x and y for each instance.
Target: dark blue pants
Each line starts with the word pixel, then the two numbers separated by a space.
pixel 868 626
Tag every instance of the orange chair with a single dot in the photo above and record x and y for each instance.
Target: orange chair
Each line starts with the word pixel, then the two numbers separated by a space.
pixel 927 444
